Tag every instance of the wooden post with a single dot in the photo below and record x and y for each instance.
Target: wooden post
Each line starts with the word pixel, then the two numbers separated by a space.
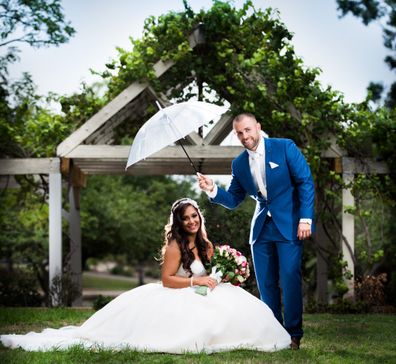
pixel 348 232
pixel 55 226
pixel 322 268
pixel 75 242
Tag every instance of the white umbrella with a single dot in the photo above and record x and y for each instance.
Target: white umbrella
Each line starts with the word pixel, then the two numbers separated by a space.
pixel 169 125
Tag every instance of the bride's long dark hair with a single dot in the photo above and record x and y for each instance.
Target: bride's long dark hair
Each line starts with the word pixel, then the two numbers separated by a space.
pixel 174 230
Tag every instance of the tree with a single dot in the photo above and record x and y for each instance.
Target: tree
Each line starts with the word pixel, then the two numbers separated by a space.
pixel 24 238
pixel 35 22
pixel 26 126
pixel 39 23
pixel 377 10
pixel 126 216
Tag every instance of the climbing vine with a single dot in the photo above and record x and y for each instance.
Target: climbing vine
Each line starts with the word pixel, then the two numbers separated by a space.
pixel 248 60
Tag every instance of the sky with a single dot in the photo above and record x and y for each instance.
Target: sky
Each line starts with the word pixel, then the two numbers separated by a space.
pixel 349 54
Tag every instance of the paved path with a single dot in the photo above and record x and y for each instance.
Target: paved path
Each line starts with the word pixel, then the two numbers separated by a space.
pixel 90 294
pixel 119 277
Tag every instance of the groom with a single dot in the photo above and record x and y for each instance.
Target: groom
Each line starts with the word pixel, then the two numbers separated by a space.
pixel 275 174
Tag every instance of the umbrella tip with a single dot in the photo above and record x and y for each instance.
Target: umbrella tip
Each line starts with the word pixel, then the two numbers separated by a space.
pixel 158 105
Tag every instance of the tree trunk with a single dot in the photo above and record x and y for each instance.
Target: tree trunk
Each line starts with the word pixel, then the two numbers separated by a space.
pixel 140 272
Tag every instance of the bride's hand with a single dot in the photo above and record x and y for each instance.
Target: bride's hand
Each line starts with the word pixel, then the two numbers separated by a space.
pixel 205 281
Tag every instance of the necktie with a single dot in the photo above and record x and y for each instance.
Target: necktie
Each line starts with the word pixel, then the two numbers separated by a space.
pixel 258 175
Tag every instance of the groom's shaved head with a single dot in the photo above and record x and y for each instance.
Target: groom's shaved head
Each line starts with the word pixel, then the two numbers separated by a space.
pixel 243 116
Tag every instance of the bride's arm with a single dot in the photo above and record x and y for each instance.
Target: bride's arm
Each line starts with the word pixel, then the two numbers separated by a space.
pixel 172 259
pixel 210 249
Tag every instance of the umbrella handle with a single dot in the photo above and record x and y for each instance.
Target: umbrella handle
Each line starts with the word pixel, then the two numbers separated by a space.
pixel 191 162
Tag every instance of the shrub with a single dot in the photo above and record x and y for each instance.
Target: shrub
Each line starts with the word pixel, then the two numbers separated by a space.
pixel 100 302
pixel 18 288
pixel 63 291
pixel 371 289
pixel 153 271
pixel 339 307
pixel 122 270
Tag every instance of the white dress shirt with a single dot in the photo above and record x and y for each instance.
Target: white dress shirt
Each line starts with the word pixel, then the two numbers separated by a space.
pixel 257 163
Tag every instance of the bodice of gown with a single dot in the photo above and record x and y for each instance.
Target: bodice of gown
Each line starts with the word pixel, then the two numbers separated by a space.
pixel 197 269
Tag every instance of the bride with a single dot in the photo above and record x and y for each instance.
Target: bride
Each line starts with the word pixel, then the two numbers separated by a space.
pixel 171 317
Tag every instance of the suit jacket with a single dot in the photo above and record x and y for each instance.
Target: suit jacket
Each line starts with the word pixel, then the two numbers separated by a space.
pixel 290 188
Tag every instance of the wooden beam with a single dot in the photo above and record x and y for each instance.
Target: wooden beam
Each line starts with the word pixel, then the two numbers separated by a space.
pixel 108 111
pixel 333 151
pixel 159 169
pixel 14 166
pixel 364 166
pixel 220 130
pixel 162 99
pixel 65 166
pixel 78 178
pixel 338 165
pixel 75 266
pixel 322 267
pixel 197 36
pixel 193 139
pixel 131 111
pixel 121 152
pixel 120 101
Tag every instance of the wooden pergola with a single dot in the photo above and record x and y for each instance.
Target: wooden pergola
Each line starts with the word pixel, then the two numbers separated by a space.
pixel 88 151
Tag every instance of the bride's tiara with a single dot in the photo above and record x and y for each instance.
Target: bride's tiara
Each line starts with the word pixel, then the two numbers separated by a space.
pixel 184 201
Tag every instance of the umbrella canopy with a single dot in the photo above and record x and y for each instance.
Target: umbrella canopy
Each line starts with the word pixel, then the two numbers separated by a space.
pixel 169 125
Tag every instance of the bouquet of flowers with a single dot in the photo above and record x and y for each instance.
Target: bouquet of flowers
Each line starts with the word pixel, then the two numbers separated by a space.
pixel 227 265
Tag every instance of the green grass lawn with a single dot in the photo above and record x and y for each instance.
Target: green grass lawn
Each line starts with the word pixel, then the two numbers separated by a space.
pixel 107 283
pixel 328 339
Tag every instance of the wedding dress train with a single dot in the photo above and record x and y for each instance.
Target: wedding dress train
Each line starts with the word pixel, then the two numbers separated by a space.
pixel 154 318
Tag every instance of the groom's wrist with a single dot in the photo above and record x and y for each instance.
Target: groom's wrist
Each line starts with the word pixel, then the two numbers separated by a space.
pixel 213 192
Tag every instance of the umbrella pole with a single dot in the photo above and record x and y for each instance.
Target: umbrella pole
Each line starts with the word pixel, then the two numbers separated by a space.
pixel 191 162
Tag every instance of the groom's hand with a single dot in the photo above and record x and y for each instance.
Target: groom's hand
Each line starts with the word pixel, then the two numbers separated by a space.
pixel 304 230
pixel 205 183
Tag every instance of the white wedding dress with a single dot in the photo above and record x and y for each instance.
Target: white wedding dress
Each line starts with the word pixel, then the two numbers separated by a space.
pixel 157 319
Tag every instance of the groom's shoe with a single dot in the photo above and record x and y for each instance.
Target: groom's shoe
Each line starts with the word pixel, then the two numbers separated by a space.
pixel 295 343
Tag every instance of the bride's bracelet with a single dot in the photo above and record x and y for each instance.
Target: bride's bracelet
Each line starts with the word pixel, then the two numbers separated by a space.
pixel 191 281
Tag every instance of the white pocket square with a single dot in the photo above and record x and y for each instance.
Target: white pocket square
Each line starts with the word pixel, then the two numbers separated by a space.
pixel 273 165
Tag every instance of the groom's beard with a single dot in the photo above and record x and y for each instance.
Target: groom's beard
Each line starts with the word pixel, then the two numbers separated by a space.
pixel 251 143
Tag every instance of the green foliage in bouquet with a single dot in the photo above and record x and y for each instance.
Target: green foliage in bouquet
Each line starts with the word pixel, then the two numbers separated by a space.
pixel 231 263
pixel 226 265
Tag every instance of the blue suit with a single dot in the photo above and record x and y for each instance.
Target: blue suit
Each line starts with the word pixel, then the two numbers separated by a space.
pixel 276 249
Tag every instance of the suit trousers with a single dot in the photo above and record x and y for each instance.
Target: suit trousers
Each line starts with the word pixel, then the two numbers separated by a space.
pixel 277 265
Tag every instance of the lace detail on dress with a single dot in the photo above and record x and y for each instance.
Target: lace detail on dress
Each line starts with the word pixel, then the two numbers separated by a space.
pixel 197 269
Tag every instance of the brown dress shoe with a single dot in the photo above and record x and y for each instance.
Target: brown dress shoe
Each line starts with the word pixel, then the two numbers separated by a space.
pixel 295 343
